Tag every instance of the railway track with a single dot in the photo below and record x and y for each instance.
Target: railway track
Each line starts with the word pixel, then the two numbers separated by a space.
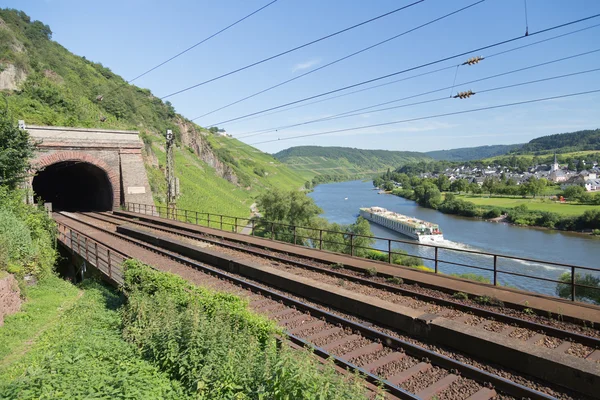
pixel 406 370
pixel 569 337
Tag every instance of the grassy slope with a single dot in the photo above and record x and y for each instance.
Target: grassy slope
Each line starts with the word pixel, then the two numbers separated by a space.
pixel 61 90
pixel 533 204
pixel 573 154
pixel 78 351
pixel 310 161
pixel 277 174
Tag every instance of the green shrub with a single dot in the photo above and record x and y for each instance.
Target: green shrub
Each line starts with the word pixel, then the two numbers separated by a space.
pixel 395 280
pixel 216 347
pixel 26 236
pixel 461 296
pixel 337 266
pixel 371 272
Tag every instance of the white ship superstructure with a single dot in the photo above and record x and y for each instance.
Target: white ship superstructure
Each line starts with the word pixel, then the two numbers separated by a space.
pixel 414 228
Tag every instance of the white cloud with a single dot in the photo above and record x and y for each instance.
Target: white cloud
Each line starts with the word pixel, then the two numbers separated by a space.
pixel 306 65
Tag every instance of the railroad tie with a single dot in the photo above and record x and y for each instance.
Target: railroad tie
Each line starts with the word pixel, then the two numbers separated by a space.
pixel 594 356
pixel 361 351
pixel 483 394
pixel 304 327
pixel 301 317
pixel 391 357
pixel 535 338
pixel 437 387
pixel 409 373
pixel 339 342
pixel 267 307
pixel 282 313
pixel 564 346
pixel 325 333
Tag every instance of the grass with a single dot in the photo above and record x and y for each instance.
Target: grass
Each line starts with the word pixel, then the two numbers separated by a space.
pixel 81 353
pixel 45 303
pixel 566 209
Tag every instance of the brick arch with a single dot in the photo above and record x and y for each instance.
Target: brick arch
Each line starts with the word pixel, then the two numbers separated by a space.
pixel 113 176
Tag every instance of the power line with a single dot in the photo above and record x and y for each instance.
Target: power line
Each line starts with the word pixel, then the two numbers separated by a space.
pixel 192 47
pixel 203 41
pixel 432 116
pixel 410 69
pixel 355 112
pixel 425 73
pixel 292 50
pixel 340 59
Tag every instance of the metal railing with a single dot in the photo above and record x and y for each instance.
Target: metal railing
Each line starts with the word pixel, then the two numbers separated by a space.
pixel 353 244
pixel 107 260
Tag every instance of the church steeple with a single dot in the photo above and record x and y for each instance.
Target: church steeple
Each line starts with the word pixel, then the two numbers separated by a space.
pixel 555 166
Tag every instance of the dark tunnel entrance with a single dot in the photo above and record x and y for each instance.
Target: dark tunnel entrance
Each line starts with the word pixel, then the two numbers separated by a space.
pixel 74 186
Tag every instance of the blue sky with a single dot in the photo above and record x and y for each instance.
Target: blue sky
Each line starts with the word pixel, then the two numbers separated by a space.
pixel 130 36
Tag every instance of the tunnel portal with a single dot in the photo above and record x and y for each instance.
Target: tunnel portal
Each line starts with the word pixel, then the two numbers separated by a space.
pixel 74 186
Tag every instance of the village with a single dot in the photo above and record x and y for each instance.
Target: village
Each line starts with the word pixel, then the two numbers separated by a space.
pixel 559 174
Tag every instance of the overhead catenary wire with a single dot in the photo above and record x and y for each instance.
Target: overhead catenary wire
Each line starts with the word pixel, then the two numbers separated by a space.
pixel 292 49
pixel 360 111
pixel 410 69
pixel 197 44
pixel 341 59
pixel 431 116
pixel 420 75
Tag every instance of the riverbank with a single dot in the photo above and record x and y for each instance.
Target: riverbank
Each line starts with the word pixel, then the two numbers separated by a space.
pixel 588 222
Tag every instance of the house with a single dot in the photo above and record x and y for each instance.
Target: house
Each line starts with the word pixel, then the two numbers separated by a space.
pixel 572 181
pixel 592 185
pixel 585 174
pixel 557 176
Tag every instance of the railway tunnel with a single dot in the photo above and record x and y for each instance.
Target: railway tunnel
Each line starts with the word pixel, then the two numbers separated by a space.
pixel 74 186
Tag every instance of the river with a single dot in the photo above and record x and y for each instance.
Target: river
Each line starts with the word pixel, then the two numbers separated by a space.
pixel 468 233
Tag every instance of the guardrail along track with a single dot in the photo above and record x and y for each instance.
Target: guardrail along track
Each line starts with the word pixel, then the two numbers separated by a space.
pixel 411 371
pixel 569 338
pixel 347 240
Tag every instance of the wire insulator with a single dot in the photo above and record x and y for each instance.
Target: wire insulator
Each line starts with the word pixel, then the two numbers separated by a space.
pixel 464 95
pixel 473 60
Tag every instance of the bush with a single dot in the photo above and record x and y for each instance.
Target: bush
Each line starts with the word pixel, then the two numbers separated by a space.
pixel 218 348
pixel 26 236
pixel 461 296
pixel 395 280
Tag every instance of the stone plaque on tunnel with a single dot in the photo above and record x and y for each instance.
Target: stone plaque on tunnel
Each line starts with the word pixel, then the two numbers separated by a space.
pixel 136 190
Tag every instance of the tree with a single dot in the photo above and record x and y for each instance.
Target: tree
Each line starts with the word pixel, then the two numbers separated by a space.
pixel 563 289
pixel 489 185
pixel 443 183
pixel 377 182
pixel 459 185
pixel 388 186
pixel 535 186
pixel 573 192
pixel 428 195
pixel 15 151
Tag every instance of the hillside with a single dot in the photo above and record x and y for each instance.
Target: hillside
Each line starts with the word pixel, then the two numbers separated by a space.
pixel 473 153
pixel 312 161
pixel 45 84
pixel 564 142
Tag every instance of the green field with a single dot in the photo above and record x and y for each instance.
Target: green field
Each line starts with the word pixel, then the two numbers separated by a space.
pixel 532 204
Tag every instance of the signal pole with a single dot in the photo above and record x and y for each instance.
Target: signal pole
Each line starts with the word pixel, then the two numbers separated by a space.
pixel 170 174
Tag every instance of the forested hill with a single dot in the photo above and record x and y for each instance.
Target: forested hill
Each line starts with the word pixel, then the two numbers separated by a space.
pixel 473 153
pixel 45 84
pixel 312 161
pixel 563 142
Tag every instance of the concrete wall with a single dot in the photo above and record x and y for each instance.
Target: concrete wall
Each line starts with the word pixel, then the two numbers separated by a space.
pixel 118 153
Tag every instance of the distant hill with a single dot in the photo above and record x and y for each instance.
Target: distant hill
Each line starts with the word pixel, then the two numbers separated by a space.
pixel 473 153
pixel 563 142
pixel 311 161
